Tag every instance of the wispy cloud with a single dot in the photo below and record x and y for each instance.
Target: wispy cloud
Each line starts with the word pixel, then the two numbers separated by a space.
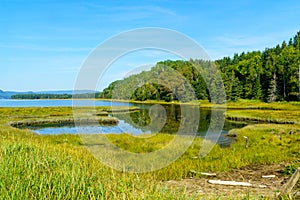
pixel 127 9
pixel 121 13
pixel 255 41
pixel 228 45
pixel 37 48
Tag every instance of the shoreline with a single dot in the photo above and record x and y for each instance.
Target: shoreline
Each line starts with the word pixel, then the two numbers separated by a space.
pixel 240 104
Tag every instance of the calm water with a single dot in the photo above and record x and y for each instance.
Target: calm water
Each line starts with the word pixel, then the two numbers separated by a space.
pixel 122 127
pixel 57 103
pixel 150 119
pixel 144 121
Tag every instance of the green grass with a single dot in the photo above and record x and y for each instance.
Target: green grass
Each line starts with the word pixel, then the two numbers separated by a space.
pixel 279 112
pixel 239 104
pixel 242 104
pixel 272 116
pixel 60 167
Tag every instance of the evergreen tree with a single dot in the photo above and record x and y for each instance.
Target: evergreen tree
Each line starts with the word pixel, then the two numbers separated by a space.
pixel 270 75
pixel 257 91
pixel 273 90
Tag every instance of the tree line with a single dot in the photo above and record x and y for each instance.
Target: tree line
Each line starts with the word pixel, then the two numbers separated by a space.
pixel 56 96
pixel 269 75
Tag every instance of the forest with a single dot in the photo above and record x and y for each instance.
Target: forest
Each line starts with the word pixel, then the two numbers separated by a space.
pixel 270 75
pixel 55 96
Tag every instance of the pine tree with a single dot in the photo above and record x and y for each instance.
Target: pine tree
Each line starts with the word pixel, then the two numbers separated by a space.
pixel 273 89
pixel 257 89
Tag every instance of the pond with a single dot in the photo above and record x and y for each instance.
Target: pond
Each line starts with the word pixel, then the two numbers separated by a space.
pixel 149 119
pixel 143 121
pixel 57 103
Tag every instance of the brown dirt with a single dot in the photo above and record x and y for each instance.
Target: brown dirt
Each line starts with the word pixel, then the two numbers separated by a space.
pixel 253 174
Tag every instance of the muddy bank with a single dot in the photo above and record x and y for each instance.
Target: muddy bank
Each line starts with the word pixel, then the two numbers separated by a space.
pixel 252 174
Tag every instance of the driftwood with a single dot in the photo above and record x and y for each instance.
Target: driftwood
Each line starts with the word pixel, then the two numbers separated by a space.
pixel 232 183
pixel 268 176
pixel 290 184
pixel 247 142
pixel 235 183
pixel 203 173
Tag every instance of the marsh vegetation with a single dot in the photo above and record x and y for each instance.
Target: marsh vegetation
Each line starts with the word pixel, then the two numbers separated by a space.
pixel 60 167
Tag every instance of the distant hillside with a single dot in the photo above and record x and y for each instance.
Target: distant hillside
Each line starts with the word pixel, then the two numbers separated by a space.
pixel 68 93
pixel 8 94
pixel 65 92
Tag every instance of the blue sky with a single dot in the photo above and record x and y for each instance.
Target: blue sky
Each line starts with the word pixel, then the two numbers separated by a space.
pixel 44 43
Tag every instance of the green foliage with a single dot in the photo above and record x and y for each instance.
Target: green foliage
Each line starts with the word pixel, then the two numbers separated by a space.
pixel 107 92
pixel 270 75
pixel 167 81
pixel 290 169
pixel 55 96
pixel 273 92
pixel 41 96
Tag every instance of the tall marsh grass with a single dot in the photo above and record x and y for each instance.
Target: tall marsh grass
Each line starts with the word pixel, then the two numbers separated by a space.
pixel 60 167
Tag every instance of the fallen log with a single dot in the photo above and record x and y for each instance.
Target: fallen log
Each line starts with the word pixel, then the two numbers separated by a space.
pixel 230 183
